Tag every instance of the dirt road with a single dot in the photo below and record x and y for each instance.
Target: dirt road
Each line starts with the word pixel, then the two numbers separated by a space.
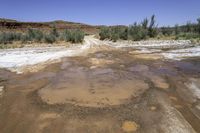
pixel 103 89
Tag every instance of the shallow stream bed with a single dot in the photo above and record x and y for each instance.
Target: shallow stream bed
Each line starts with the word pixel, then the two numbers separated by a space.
pixel 108 90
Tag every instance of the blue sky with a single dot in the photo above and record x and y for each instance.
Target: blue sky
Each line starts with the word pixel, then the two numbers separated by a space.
pixel 105 12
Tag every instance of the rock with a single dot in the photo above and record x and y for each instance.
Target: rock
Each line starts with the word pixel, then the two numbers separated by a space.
pixel 173 98
pixel 130 126
pixel 1 90
pixel 122 66
pixel 93 67
pixel 139 68
pixel 153 108
pixel 100 62
pixel 159 82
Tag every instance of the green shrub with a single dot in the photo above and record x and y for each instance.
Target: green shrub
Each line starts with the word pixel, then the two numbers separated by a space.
pixel 38 36
pixel 25 38
pixel 104 33
pixel 67 35
pixel 9 37
pixel 31 34
pixel 124 33
pixel 115 34
pixel 54 32
pixel 49 38
pixel 134 32
pixel 77 36
pixel 34 35
pixel 145 23
pixel 188 36
pixel 176 29
pixel 119 32
pixel 152 30
pixel 74 36
pixel 198 25
pixel 137 32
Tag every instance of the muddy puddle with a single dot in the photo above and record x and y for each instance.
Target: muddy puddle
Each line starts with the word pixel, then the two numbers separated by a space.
pixel 109 91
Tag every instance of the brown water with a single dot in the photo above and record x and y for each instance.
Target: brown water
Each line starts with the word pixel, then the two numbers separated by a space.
pixel 104 91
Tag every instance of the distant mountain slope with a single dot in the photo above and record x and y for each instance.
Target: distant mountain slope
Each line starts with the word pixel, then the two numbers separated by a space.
pixel 9 24
pixel 7 20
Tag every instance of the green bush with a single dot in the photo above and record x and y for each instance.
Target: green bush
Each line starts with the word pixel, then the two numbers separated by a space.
pixel 67 35
pixel 119 32
pixel 104 33
pixel 188 36
pixel 38 36
pixel 124 33
pixel 137 32
pixel 134 32
pixel 31 34
pixel 49 38
pixel 54 32
pixel 74 36
pixel 9 37
pixel 145 23
pixel 34 35
pixel 115 34
pixel 152 30
pixel 166 31
pixel 77 36
pixel 198 26
pixel 176 29
pixel 25 38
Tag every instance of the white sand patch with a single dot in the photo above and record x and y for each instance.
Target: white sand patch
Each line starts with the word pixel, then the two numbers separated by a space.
pixel 152 44
pixel 14 59
pixel 174 122
pixel 177 49
pixel 30 56
pixel 182 53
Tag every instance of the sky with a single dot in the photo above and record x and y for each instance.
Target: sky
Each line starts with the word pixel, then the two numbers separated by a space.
pixel 102 12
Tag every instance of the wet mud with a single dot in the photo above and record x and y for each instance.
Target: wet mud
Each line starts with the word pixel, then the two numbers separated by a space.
pixel 109 91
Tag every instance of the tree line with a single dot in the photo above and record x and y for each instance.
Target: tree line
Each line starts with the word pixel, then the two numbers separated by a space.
pixel 187 31
pixel 149 29
pixel 35 35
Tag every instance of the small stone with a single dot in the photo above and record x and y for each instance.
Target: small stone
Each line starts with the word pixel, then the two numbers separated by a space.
pixel 198 106
pixel 93 67
pixel 160 82
pixel 173 98
pixel 1 90
pixel 122 66
pixel 153 108
pixel 130 126
pixel 178 106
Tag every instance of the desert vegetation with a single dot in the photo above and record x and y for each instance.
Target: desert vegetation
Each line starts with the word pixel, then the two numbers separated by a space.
pixel 148 28
pixel 38 36
pixel 188 31
pixel 73 36
pixel 137 31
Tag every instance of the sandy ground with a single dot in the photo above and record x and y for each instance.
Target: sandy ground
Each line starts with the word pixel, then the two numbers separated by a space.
pixel 20 58
pixel 98 87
